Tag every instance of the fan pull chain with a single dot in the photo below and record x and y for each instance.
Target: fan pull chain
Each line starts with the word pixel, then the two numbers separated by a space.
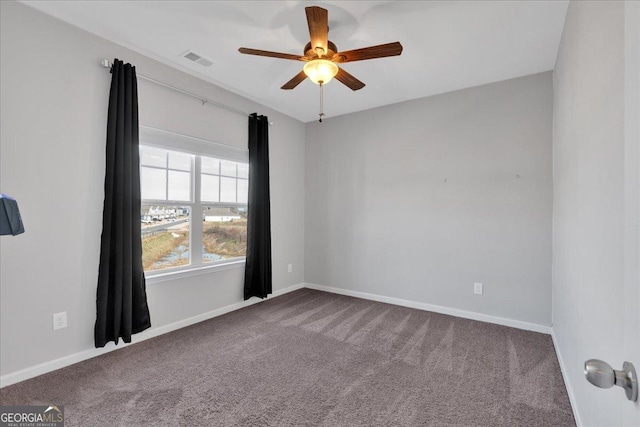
pixel 321 101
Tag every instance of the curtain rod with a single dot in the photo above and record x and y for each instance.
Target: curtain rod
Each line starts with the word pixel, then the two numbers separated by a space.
pixel 107 64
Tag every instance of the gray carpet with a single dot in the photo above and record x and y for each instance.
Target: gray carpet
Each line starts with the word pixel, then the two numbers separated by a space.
pixel 311 358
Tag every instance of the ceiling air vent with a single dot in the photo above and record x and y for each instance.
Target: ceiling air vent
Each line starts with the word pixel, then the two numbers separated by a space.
pixel 198 59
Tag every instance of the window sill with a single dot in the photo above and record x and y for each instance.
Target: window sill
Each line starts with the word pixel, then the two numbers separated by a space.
pixel 195 271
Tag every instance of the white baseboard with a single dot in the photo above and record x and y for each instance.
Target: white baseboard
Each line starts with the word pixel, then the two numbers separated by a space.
pixel 436 308
pixel 565 377
pixel 52 365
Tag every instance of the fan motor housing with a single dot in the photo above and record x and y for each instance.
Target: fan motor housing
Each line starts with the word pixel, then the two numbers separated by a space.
pixel 311 53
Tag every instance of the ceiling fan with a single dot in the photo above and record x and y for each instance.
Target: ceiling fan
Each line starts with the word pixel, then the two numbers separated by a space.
pixel 322 56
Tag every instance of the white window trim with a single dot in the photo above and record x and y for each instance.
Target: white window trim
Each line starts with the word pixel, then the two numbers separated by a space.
pixel 167 275
pixel 198 147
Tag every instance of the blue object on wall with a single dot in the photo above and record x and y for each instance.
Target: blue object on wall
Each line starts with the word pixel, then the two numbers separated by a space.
pixel 10 220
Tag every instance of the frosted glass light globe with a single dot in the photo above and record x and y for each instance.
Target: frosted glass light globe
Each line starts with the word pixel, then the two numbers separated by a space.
pixel 320 71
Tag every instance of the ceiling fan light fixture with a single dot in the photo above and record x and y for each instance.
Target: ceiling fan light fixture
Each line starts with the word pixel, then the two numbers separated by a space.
pixel 320 71
pixel 321 54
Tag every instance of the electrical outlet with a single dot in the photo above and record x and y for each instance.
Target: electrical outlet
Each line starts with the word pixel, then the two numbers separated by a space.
pixel 59 320
pixel 290 268
pixel 477 288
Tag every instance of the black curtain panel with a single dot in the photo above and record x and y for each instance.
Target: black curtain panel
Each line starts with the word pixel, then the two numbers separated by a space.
pixel 257 274
pixel 122 300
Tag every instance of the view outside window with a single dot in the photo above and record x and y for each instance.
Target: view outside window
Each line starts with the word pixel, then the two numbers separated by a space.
pixel 165 236
pixel 169 208
pixel 224 233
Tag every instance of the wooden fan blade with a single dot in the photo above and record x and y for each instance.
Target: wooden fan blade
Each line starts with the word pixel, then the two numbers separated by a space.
pixel 348 80
pixel 318 20
pixel 270 54
pixel 371 52
pixel 299 78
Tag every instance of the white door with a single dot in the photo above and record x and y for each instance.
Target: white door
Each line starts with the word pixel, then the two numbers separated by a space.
pixel 631 328
pixel 609 328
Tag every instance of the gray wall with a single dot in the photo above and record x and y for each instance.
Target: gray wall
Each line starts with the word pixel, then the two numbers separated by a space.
pixel 595 213
pixel 53 121
pixel 421 199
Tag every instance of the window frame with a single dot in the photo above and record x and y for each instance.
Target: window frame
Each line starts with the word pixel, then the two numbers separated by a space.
pixel 198 148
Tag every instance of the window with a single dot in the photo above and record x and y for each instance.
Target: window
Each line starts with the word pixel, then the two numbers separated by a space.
pixel 194 206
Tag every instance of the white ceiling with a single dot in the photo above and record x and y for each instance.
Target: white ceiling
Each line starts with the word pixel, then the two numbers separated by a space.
pixel 448 45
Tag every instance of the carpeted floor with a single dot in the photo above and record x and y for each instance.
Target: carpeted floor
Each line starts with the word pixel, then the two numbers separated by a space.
pixel 311 358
